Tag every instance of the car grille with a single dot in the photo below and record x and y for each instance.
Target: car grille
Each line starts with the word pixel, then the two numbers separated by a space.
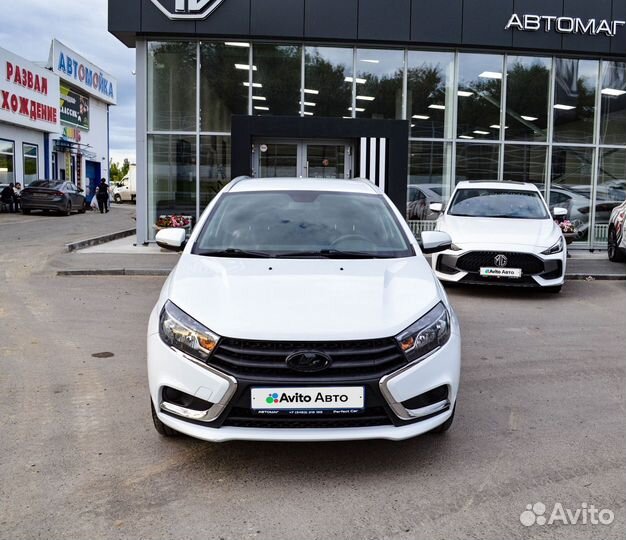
pixel 475 260
pixel 373 416
pixel 351 360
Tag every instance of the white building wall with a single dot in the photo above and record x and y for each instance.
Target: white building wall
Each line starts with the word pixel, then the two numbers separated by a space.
pixel 19 135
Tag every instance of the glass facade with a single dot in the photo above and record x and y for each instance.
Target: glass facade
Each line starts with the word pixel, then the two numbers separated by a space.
pixel 31 163
pixel 557 122
pixel 7 163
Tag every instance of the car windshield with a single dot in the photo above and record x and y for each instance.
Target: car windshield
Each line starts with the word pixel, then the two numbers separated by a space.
pixel 498 203
pixel 52 184
pixel 302 224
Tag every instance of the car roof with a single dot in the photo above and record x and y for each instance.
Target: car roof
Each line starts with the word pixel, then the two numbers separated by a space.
pixel 506 184
pixel 358 185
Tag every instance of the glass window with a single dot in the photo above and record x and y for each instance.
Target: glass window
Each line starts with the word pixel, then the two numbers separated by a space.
pixel 172 86
pixel 525 163
pixel 611 189
pixel 613 120
pixel 224 84
pixel 295 223
pixel 498 203
pixel 574 100
pixel 477 162
pixel 479 96
pixel 214 166
pixel 7 164
pixel 527 98
pixel 172 178
pixel 429 174
pixel 379 81
pixel 31 166
pixel 327 81
pixel 276 73
pixel 278 160
pixel 430 99
pixel 571 185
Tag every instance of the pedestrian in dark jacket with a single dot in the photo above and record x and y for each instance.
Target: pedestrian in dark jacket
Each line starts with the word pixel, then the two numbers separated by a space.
pixel 102 196
pixel 7 196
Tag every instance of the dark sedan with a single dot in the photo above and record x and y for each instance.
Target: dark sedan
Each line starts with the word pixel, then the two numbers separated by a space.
pixel 56 195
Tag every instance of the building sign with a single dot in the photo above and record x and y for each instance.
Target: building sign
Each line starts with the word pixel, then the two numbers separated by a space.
pixel 74 108
pixel 76 70
pixel 29 95
pixel 187 9
pixel 564 25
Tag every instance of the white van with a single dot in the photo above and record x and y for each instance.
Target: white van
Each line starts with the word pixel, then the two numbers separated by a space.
pixel 126 190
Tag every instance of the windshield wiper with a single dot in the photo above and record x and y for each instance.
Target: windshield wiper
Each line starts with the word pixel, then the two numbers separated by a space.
pixel 332 254
pixel 233 252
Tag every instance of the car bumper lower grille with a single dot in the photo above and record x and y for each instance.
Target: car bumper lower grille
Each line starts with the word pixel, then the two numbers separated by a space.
pixel 475 260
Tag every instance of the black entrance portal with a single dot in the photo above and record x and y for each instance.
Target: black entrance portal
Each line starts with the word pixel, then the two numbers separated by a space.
pixel 381 147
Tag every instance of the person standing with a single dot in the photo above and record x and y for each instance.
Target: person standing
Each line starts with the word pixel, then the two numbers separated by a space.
pixel 102 196
pixel 17 190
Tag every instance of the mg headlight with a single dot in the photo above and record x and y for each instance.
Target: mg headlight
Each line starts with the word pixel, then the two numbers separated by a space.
pixel 556 248
pixel 427 334
pixel 179 330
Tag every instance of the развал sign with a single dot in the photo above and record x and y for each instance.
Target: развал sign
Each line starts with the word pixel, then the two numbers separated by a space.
pixel 564 25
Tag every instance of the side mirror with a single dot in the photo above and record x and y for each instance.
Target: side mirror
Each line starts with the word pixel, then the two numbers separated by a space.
pixel 172 239
pixel 435 241
pixel 559 212
pixel 436 207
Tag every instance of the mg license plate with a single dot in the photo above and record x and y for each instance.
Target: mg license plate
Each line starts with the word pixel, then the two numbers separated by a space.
pixel 501 272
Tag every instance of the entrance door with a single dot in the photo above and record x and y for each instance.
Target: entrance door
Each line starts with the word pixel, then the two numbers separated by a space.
pixel 302 159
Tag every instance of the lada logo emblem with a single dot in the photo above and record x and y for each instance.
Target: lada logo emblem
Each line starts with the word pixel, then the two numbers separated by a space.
pixel 187 9
pixel 309 361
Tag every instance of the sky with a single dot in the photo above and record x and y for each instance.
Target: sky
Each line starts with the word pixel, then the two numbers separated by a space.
pixel 28 27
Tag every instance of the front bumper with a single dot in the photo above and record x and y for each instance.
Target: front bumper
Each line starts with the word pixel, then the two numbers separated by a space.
pixel 169 368
pixel 543 270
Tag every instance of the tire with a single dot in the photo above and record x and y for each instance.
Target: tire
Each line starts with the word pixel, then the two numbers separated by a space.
pixel 162 429
pixel 68 209
pixel 25 211
pixel 446 425
pixel 615 255
pixel 117 199
pixel 553 290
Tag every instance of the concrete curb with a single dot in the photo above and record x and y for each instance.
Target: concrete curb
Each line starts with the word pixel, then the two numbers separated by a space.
pixel 81 244
pixel 115 272
pixel 599 277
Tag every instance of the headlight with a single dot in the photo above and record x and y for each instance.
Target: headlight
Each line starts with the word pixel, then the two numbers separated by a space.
pixel 454 247
pixel 180 331
pixel 556 248
pixel 427 334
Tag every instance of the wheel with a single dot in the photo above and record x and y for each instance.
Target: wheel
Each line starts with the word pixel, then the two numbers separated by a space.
pixel 25 211
pixel 446 425
pixel 161 428
pixel 68 209
pixel 615 255
pixel 554 290
pixel 118 199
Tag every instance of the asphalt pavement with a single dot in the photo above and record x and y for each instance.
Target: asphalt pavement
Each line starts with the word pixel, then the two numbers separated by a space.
pixel 540 418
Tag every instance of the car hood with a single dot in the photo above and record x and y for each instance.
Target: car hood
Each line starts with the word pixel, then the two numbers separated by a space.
pixel 306 300
pixel 471 231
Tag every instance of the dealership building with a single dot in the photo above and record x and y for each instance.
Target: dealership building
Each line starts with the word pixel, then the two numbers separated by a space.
pixel 415 95
pixel 54 118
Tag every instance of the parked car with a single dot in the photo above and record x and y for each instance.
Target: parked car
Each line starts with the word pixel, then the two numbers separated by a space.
pixel 419 198
pixel 578 204
pixel 617 236
pixel 503 234
pixel 302 310
pixel 126 190
pixel 56 195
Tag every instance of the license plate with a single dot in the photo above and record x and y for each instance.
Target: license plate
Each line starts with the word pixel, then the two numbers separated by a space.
pixel 501 272
pixel 40 195
pixel 308 399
